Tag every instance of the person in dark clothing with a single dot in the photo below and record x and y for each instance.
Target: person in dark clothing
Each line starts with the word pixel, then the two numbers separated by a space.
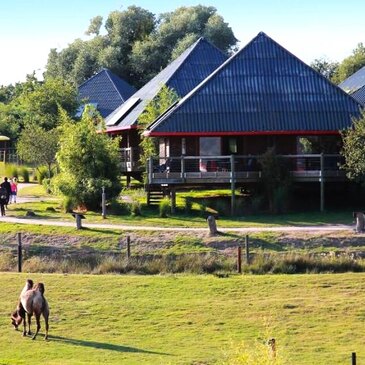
pixel 3 196
pixel 6 184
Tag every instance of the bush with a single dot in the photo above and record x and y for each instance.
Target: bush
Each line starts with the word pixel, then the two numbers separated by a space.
pixel 68 204
pixel 11 171
pixel 135 208
pixel 24 173
pixel 164 207
pixel 41 174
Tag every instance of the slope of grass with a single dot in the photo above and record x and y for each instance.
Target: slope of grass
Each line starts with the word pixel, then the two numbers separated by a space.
pixel 316 319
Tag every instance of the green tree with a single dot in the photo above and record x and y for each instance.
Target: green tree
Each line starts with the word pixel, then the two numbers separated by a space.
pixel 165 98
pixel 88 160
pixel 353 150
pixel 350 64
pixel 42 103
pixel 38 146
pixel 325 67
pixel 138 44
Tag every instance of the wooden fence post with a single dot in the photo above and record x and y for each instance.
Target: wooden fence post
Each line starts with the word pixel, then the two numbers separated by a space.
pixel 239 260
pixel 19 252
pixel 247 247
pixel 128 247
pixel 353 358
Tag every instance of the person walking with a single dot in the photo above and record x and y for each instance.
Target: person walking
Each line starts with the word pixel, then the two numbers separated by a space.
pixel 3 196
pixel 14 190
pixel 6 185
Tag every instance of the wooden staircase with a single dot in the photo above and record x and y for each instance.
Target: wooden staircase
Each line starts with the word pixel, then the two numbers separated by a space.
pixel 156 194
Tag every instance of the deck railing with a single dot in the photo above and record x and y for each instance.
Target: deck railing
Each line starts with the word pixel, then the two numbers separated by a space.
pixel 221 169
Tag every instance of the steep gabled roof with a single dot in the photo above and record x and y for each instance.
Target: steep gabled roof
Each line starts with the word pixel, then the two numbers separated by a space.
pixel 354 82
pixel 106 90
pixel 183 74
pixel 263 88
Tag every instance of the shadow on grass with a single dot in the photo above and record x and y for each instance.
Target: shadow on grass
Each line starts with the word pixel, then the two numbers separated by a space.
pixel 102 345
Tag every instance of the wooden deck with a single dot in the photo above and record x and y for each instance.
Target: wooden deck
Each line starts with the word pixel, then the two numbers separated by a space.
pixel 221 170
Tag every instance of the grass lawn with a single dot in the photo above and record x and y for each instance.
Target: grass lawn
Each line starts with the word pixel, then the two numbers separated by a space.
pixel 315 319
pixel 48 207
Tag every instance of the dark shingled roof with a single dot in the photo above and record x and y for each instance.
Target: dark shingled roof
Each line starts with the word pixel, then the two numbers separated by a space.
pixel 183 74
pixel 263 88
pixel 105 90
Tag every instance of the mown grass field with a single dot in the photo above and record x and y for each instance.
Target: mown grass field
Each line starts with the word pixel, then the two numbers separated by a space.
pixel 316 319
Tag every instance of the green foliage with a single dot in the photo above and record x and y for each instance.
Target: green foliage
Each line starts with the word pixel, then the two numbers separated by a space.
pixel 350 64
pixel 188 205
pixel 164 99
pixel 325 67
pixel 138 44
pixel 164 207
pixel 275 174
pixel 11 171
pixel 38 146
pixel 353 149
pixel 41 174
pixel 24 173
pixel 88 161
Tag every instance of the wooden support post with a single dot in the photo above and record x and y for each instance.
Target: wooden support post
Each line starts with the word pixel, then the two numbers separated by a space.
pixel 173 200
pixel 247 250
pixel 103 203
pixel 128 181
pixel 19 236
pixel 182 168
pixel 322 182
pixel 150 170
pixel 239 260
pixel 128 247
pixel 78 221
pixel 233 187
pixel 353 357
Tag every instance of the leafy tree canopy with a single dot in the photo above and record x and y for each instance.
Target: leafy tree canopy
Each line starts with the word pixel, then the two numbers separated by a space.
pixel 137 44
pixel 353 149
pixel 350 64
pixel 325 67
pixel 88 161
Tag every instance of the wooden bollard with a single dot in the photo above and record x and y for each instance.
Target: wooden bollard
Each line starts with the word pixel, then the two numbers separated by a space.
pixel 19 236
pixel 212 226
pixel 128 247
pixel 353 358
pixel 239 260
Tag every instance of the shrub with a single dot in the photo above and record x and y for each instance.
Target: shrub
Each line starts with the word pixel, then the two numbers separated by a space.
pixel 164 207
pixel 42 173
pixel 24 173
pixel 68 204
pixel 135 208
pixel 12 171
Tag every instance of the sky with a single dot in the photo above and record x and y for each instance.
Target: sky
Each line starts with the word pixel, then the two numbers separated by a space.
pixel 309 29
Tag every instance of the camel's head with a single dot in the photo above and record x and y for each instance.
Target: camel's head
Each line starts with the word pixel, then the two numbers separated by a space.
pixel 29 283
pixel 16 319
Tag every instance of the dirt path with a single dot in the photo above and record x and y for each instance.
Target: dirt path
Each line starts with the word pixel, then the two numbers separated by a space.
pixel 312 229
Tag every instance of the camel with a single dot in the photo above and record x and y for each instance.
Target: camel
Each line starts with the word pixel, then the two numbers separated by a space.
pixel 32 301
pixel 16 318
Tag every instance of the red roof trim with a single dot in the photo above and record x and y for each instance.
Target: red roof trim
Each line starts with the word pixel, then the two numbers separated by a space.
pixel 116 130
pixel 217 134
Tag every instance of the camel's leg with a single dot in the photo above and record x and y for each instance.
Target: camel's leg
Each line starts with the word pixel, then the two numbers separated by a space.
pixel 37 318
pixel 29 322
pixel 23 315
pixel 46 315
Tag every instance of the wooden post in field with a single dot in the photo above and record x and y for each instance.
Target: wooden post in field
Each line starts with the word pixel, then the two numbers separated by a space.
pixel 128 247
pixel 321 180
pixel 353 358
pixel 103 203
pixel 19 236
pixel 233 187
pixel 247 250
pixel 173 200
pixel 239 260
